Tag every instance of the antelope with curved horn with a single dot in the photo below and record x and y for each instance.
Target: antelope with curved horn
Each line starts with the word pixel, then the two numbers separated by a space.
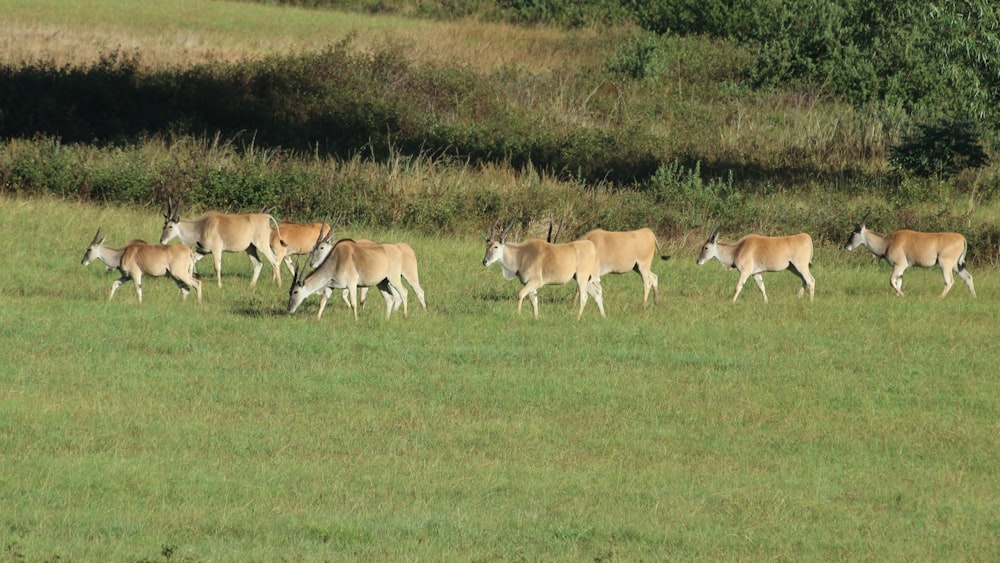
pixel 351 265
pixel 754 254
pixel 214 233
pixel 139 258
pixel 408 267
pixel 537 263
pixel 904 248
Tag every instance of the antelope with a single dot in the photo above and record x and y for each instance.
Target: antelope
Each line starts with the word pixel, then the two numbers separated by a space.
pixel 904 248
pixel 299 238
pixel 537 263
pixel 214 233
pixel 408 268
pixel 622 252
pixel 351 265
pixel 754 254
pixel 139 258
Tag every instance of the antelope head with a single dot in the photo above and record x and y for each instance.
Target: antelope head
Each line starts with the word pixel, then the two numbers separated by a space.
pixel 93 249
pixel 170 220
pixel 710 249
pixel 495 242
pixel 296 293
pixel 857 236
pixel 324 243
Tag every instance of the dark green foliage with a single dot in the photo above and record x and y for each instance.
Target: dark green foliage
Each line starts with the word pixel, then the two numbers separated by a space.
pixel 636 58
pixel 716 18
pixel 940 150
pixel 935 60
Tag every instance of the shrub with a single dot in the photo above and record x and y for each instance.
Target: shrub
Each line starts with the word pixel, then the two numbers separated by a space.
pixel 939 150
pixel 636 58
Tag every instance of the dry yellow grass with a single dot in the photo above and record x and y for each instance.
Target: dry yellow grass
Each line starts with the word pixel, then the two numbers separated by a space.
pixel 184 32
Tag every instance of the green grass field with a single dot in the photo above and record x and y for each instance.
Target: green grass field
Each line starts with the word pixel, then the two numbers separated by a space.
pixel 860 426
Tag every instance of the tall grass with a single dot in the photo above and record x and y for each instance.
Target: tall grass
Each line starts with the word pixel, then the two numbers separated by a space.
pixel 858 426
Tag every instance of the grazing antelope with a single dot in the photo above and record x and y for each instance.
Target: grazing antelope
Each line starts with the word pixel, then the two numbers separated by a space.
pixel 623 252
pixel 408 268
pixel 299 238
pixel 139 258
pixel 754 254
pixel 904 248
pixel 214 233
pixel 536 263
pixel 351 265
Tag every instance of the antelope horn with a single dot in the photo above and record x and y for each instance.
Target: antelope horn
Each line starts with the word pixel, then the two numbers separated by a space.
pixel 503 235
pixel 320 238
pixel 715 235
pixel 170 207
pixel 865 218
pixel 325 229
pixel 96 237
pixel 548 237
pixel 329 232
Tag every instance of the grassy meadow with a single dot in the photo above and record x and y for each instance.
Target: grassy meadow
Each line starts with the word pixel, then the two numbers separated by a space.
pixel 859 426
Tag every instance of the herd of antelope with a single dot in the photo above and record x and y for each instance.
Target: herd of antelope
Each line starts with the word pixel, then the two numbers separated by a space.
pixel 353 266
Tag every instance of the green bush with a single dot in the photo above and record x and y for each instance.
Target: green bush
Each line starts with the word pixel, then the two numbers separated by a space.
pixel 120 182
pixel 636 58
pixel 940 150
pixel 45 166
pixel 683 190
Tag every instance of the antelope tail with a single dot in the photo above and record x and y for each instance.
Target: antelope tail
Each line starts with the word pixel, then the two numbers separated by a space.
pixel 658 251
pixel 277 229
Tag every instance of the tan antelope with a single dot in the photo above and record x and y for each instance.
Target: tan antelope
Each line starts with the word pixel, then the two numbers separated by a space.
pixel 408 268
pixel 139 258
pixel 754 254
pixel 214 233
pixel 537 263
pixel 299 238
pixel 351 265
pixel 628 251
pixel 905 248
